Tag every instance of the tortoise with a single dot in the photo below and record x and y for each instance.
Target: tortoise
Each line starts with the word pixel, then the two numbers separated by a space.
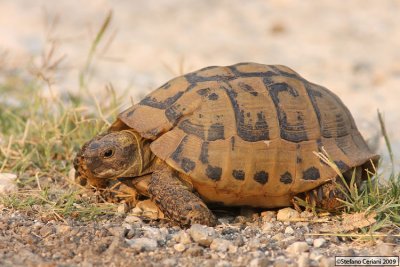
pixel 239 135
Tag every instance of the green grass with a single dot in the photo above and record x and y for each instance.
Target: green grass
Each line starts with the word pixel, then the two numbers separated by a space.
pixel 379 194
pixel 39 137
pixel 41 130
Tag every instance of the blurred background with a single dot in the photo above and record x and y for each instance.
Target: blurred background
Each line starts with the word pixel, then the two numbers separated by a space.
pixel 351 47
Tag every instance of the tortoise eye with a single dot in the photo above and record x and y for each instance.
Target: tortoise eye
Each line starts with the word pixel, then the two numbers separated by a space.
pixel 108 154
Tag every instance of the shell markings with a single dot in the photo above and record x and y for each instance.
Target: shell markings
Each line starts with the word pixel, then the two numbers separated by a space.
pixel 204 153
pixel 186 164
pixel 154 103
pixel 238 174
pixel 214 173
pixel 247 131
pixel 311 173
pixel 290 131
pixel 215 132
pixel 261 177
pixel 286 178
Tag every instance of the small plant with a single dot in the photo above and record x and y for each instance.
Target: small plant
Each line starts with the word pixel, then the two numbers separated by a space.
pixel 40 132
pixel 377 199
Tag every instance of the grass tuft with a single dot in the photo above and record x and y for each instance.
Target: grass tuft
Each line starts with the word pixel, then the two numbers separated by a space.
pixel 41 130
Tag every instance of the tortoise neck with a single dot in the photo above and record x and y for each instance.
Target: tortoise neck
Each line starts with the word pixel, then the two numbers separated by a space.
pixel 145 159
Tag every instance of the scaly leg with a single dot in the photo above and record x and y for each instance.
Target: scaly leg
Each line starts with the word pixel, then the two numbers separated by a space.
pixel 176 200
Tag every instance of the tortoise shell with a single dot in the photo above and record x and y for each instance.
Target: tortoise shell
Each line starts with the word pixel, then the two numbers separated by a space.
pixel 245 134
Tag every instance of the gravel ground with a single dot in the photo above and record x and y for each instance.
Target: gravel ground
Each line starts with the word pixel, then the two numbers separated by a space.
pixel 252 239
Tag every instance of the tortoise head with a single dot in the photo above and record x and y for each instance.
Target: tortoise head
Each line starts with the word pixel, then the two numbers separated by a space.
pixel 109 156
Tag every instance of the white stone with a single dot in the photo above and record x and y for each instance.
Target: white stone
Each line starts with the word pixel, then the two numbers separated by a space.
pixel 289 230
pixel 319 242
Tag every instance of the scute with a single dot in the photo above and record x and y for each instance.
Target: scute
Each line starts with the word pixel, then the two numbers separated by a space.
pixel 246 134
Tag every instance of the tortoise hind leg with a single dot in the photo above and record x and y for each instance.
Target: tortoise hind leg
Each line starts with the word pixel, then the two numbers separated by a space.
pixel 327 195
pixel 176 200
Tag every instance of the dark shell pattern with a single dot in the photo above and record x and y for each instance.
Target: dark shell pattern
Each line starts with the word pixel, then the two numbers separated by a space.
pixel 247 133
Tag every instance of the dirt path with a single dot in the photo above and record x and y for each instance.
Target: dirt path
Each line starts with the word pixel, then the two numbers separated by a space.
pixel 126 240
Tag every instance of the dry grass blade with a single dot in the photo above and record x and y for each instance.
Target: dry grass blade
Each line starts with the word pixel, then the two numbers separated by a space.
pixel 99 36
pixel 350 222
pixel 387 141
pixel 6 153
pixel 351 235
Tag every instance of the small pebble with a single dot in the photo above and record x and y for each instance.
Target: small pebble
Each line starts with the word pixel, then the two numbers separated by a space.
pixel 287 214
pixel 326 262
pixel 46 231
pixel 280 263
pixel 202 234
pixel 289 230
pixel 267 227
pixel 259 262
pixel 149 209
pixel 348 252
pixel 297 248
pixel 306 214
pixel 8 183
pixel 384 250
pixel 239 241
pixel 220 244
pixel 223 264
pixel 315 256
pixel 303 260
pixel 136 211
pixel 183 237
pixel 171 262
pixel 232 249
pixel 268 216
pixel 319 242
pixel 194 251
pixel 142 244
pixel 278 237
pixel 133 219
pixel 309 241
pixel 180 247
pixel 122 208
pixel 61 229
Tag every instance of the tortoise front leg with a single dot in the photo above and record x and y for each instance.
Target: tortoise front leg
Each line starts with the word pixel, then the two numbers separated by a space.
pixel 176 201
